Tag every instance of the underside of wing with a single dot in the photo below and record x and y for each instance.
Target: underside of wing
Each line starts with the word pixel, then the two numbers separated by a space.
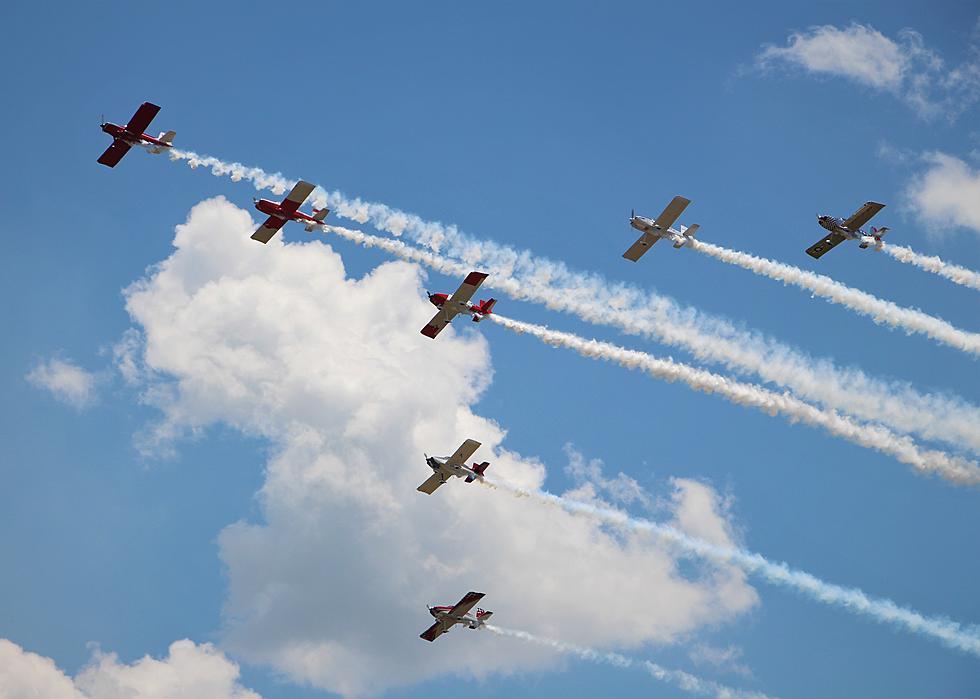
pixel 142 118
pixel 862 215
pixel 439 321
pixel 466 604
pixel 673 211
pixel 268 229
pixel 297 195
pixel 430 485
pixel 465 451
pixel 642 244
pixel 824 244
pixel 434 631
pixel 466 290
pixel 114 153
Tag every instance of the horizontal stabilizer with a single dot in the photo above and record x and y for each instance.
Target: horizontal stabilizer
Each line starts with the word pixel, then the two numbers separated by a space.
pixel 167 136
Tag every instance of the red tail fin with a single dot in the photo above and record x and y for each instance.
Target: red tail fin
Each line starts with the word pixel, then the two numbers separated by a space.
pixel 478 469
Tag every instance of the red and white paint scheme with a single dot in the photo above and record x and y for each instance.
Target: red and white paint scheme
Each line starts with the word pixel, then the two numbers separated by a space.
pixel 131 134
pixel 287 210
pixel 451 306
pixel 448 617
pixel 446 467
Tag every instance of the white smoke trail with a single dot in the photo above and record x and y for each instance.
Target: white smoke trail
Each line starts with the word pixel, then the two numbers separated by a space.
pixel 950 633
pixel 679 678
pixel 909 319
pixel 936 265
pixel 642 312
pixel 952 468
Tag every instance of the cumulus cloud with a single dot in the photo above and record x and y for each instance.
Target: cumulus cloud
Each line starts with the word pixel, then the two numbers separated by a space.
pixel 65 381
pixel 189 671
pixel 330 588
pixel 904 66
pixel 946 194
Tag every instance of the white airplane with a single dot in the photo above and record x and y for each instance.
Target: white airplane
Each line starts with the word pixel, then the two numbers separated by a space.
pixel 653 229
pixel 446 467
pixel 447 617
pixel 849 229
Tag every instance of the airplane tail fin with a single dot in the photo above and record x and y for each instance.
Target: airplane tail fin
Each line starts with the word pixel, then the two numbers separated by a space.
pixel 165 136
pixel 482 616
pixel 479 470
pixel 318 216
pixel 688 233
pixel 483 308
pixel 879 232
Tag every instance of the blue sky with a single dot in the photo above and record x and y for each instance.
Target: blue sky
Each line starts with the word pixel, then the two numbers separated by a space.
pixel 535 127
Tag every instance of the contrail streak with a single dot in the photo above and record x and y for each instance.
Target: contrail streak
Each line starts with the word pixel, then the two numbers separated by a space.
pixel 936 265
pixel 678 678
pixel 879 310
pixel 643 312
pixel 950 633
pixel 953 468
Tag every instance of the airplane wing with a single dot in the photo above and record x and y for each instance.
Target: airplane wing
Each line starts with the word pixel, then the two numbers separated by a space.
pixel 466 604
pixel 268 229
pixel 430 485
pixel 434 631
pixel 464 452
pixel 466 290
pixel 673 211
pixel 114 153
pixel 642 244
pixel 439 321
pixel 142 118
pixel 297 195
pixel 862 215
pixel 824 244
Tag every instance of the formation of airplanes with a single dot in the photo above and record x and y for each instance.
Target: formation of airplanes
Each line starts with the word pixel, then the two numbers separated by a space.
pixel 449 306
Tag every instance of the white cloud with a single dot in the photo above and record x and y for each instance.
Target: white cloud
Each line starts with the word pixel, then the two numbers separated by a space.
pixel 946 194
pixel 904 66
pixel 330 589
pixel 189 671
pixel 66 381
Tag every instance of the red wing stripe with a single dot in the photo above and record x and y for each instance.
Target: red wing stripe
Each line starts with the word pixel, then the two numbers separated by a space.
pixel 432 330
pixel 475 278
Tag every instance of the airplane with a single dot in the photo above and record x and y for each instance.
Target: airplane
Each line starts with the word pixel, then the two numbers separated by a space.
pixel 849 229
pixel 279 214
pixel 653 229
pixel 446 467
pixel 450 306
pixel 131 134
pixel 448 617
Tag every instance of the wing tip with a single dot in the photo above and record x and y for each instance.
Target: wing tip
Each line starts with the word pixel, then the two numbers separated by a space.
pixel 430 331
pixel 475 278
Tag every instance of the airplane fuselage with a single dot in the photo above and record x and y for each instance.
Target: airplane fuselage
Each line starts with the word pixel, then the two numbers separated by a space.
pixel 439 301
pixel 439 465
pixel 274 208
pixel 132 138
pixel 836 225
pixel 651 227
pixel 470 620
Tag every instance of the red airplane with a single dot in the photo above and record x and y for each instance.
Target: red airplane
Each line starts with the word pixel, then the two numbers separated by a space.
pixel 450 306
pixel 125 137
pixel 279 213
pixel 447 617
